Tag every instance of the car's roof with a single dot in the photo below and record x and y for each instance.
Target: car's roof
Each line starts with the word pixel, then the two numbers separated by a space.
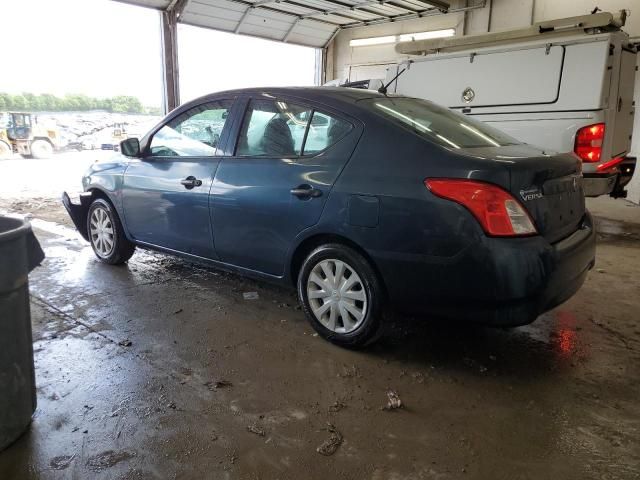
pixel 344 94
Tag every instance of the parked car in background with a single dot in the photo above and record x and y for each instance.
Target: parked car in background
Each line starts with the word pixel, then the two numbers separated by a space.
pixel 361 201
pixel 89 143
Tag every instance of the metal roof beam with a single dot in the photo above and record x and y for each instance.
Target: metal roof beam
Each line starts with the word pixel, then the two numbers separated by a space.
pixel 284 12
pixel 243 18
pixel 332 37
pixel 263 4
pixel 440 5
pixel 408 16
pixel 359 6
pixel 362 6
pixel 378 3
pixel 396 18
pixel 288 34
pixel 343 8
pixel 320 10
pixel 177 7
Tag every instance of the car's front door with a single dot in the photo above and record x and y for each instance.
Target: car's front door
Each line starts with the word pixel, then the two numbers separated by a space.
pixel 287 158
pixel 165 195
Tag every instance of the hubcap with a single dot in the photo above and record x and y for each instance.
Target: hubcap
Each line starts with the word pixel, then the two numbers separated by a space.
pixel 337 296
pixel 101 232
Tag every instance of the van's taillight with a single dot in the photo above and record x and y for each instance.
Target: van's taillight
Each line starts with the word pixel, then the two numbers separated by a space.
pixel 610 164
pixel 498 212
pixel 588 144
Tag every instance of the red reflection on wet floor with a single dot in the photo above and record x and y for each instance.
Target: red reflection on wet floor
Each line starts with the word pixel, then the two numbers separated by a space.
pixel 566 336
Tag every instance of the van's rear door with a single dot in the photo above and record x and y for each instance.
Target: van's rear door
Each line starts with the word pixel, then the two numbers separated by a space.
pixel 516 77
pixel 624 110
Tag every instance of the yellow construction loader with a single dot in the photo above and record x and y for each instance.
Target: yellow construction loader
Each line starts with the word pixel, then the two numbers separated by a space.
pixel 22 133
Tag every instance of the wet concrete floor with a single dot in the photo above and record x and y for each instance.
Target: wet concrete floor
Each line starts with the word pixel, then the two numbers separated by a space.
pixel 160 369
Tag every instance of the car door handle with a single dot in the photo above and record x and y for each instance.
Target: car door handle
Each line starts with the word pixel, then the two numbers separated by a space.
pixel 306 191
pixel 191 182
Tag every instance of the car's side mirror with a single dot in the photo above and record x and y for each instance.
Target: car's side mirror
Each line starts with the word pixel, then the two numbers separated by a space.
pixel 130 147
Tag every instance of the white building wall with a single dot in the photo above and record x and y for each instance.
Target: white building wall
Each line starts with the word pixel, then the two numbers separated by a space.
pixel 495 15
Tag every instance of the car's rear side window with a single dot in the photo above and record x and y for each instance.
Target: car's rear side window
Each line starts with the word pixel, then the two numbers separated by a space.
pixel 282 128
pixel 273 128
pixel 324 131
pixel 439 124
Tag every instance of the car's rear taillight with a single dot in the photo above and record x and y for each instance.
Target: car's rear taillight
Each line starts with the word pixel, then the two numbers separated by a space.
pixel 498 212
pixel 589 140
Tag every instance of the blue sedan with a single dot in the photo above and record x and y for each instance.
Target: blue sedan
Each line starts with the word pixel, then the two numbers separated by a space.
pixel 362 201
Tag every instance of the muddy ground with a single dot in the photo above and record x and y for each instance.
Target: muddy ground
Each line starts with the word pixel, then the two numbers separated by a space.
pixel 161 369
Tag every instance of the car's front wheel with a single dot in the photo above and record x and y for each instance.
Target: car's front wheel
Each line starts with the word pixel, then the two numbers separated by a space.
pixel 106 234
pixel 341 295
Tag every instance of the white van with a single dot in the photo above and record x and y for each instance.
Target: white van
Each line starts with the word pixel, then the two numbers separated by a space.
pixel 563 85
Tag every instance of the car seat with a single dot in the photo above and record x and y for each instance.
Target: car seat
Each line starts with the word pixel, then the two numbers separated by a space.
pixel 277 139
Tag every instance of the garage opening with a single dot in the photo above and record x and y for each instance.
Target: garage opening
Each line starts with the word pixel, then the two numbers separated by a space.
pixel 211 61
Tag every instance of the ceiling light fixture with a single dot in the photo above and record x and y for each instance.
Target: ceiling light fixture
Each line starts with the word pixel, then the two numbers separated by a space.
pixel 405 37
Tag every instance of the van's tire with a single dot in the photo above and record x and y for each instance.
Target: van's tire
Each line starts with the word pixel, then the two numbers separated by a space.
pixel 41 149
pixel 106 234
pixel 5 150
pixel 344 309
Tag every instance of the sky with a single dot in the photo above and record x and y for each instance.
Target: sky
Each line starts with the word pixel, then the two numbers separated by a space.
pixel 103 48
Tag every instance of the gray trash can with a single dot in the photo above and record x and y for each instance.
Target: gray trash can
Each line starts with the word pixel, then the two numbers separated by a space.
pixel 20 253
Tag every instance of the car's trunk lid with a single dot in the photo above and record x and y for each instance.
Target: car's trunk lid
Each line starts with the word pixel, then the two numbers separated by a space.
pixel 549 186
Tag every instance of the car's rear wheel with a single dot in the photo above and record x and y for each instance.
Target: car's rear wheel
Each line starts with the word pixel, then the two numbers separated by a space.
pixel 106 234
pixel 341 295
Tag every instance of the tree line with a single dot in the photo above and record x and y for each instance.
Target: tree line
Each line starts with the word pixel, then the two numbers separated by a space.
pixel 72 103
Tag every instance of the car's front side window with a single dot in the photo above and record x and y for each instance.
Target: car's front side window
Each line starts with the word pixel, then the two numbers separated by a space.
pixel 194 133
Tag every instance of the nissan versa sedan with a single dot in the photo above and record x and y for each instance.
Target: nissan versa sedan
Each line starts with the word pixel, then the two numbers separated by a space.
pixel 366 203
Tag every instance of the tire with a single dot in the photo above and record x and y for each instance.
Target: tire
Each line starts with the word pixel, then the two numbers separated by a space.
pixel 5 150
pixel 106 234
pixel 41 149
pixel 363 293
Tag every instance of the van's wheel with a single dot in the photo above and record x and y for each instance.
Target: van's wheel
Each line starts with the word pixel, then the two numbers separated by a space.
pixel 341 295
pixel 5 150
pixel 41 149
pixel 106 234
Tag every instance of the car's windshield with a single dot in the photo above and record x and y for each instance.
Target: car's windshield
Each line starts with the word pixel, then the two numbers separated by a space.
pixel 439 124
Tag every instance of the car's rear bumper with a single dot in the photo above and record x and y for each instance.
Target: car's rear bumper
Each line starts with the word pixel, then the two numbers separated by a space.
pixel 498 281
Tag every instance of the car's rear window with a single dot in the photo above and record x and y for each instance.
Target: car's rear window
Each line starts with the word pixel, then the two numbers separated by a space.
pixel 439 124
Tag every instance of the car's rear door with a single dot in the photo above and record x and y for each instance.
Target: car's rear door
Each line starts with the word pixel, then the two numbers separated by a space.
pixel 287 156
pixel 165 195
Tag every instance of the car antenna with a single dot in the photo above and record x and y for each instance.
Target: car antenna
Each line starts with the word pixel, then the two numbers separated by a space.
pixel 383 88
